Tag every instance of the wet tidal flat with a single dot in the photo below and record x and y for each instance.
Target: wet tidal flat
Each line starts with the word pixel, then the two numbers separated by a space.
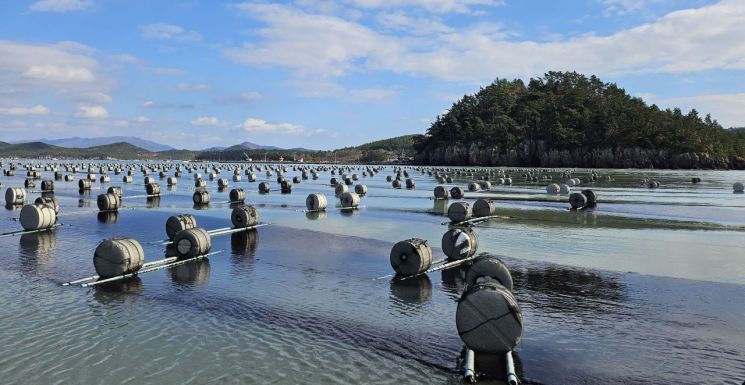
pixel 649 287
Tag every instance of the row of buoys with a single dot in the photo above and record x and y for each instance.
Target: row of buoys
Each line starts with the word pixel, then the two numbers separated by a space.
pixel 586 199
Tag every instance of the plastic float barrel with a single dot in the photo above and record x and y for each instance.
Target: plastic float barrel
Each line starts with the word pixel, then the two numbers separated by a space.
pixel 118 256
pixel 116 190
pixel 410 184
pixel 201 197
pixel 360 189
pixel 69 178
pixel 36 217
pixel 148 180
pixel 737 187
pixel 237 195
pixel 473 187
pixel 441 192
pixel 172 181
pixel 15 196
pixel 340 189
pixel 489 266
pixel 127 179
pixel 457 192
pixel 108 202
pixel 285 187
pixel 264 187
pixel 105 179
pixel 411 256
pixel 592 198
pixel 396 183
pixel 152 189
pixel 460 212
pixel 350 200
pixel 49 201
pixel 192 242
pixel 316 202
pixel 200 183
pixel 488 318
pixel 47 185
pixel 222 183
pixel 459 243
pixel 553 188
pixel 176 223
pixel 244 216
pixel 577 200
pixel 564 189
pixel 484 208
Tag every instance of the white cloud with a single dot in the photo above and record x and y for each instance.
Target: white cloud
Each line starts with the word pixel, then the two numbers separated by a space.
pixel 121 123
pixel 400 21
pixel 148 104
pixel 258 126
pixel 185 87
pixel 208 121
pixel 96 97
pixel 59 74
pixel 60 5
pixel 141 119
pixel 728 109
pixel 164 31
pixel 92 112
pixel 372 94
pixel 125 58
pixel 19 111
pixel 439 6
pixel 314 45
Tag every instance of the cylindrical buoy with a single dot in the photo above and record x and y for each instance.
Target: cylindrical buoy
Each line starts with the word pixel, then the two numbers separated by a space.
pixel 488 318
pixel 49 201
pixel 192 242
pixel 411 256
pixel 201 197
pixel 552 188
pixel 244 216
pixel 15 196
pixel 108 202
pixel 591 197
pixel 473 187
pixel 350 200
pixel 577 200
pixel 285 187
pixel 237 195
pixel 176 223
pixel 152 189
pixel 460 243
pixel 410 184
pixel 84 184
pixel 457 192
pixel 316 202
pixel 340 189
pixel 489 266
pixel 222 183
pixel 118 256
pixel 47 185
pixel 116 190
pixel 127 179
pixel 459 212
pixel 441 192
pixel 172 181
pixel 484 208
pixel 36 217
pixel 264 187
pixel 360 189
pixel 738 187
pixel 396 183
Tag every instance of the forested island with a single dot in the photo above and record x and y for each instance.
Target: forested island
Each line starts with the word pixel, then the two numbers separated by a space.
pixel 566 119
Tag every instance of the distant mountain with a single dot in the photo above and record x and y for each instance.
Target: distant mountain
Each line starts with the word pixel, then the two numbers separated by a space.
pixel 216 148
pixel 119 150
pixel 254 146
pixel 77 142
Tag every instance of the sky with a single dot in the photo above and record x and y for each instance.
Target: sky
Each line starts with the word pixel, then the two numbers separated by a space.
pixel 328 74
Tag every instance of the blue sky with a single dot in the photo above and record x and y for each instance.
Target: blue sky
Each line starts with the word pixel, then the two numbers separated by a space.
pixel 328 74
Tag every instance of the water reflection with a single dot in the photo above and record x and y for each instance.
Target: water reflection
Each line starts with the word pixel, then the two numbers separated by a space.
pixel 108 217
pixel 316 215
pixel 564 286
pixel 153 202
pixel 413 290
pixel 440 207
pixel 244 243
pixel 192 273
pixel 353 212
pixel 201 206
pixel 124 290
pixel 37 250
pixel 454 280
pixel 83 202
pixel 13 207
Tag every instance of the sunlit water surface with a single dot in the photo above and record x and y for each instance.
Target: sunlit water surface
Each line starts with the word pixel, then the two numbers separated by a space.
pixel 647 288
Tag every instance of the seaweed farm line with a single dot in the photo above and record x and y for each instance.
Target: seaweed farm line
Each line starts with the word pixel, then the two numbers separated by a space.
pixel 646 288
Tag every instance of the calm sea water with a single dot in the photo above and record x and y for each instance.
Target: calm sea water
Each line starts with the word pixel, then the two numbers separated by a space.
pixel 647 288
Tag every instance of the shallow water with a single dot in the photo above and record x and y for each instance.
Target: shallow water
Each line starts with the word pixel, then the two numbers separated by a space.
pixel 647 288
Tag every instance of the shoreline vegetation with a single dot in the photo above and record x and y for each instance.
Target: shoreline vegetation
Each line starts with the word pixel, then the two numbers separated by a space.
pixel 563 119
